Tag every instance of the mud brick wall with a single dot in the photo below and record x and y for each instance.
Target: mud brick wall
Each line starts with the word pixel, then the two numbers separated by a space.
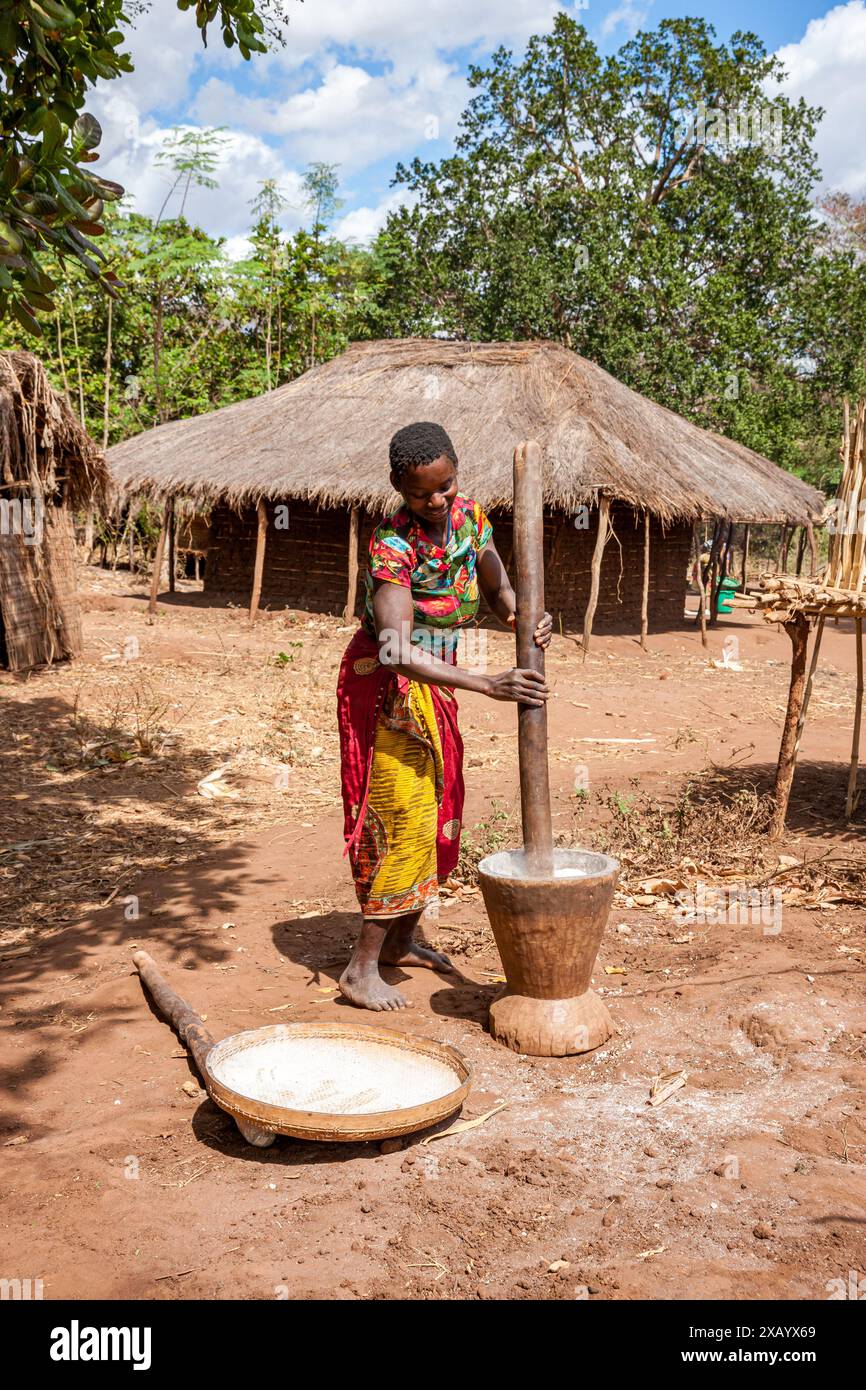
pixel 568 559
pixel 306 563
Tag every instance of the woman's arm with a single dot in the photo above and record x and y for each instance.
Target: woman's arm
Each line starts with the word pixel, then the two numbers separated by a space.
pixel 499 596
pixel 393 616
pixel 495 585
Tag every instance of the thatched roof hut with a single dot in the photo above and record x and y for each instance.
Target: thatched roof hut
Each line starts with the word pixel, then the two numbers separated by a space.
pixel 48 467
pixel 322 440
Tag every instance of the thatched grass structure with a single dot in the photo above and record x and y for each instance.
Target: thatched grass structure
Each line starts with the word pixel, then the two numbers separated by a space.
pixel 48 467
pixel 320 444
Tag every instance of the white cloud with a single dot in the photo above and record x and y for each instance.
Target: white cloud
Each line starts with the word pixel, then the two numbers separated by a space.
pixel 630 15
pixel 351 117
pixel 827 67
pixel 361 224
pixel 312 100
pixel 237 248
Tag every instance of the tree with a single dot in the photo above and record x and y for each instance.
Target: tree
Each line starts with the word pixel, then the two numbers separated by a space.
pixel 192 157
pixel 320 189
pixel 651 209
pixel 51 204
pixel 267 206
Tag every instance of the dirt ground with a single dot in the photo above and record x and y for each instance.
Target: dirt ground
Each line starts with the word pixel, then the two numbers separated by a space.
pixel 747 1182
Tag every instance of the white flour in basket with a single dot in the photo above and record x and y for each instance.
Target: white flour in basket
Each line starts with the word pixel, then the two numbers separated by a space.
pixel 337 1076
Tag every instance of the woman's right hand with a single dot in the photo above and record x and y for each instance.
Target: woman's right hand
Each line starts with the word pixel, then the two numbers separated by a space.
pixel 523 686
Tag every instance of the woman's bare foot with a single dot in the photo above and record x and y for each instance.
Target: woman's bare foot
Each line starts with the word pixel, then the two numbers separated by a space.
pixel 399 948
pixel 415 955
pixel 367 989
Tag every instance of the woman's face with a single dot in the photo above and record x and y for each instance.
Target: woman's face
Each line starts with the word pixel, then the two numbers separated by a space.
pixel 429 489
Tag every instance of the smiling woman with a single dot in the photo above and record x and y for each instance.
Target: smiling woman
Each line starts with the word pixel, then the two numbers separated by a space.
pixel 401 751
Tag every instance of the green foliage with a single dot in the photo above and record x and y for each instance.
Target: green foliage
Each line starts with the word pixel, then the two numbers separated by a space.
pixel 616 204
pixel 191 330
pixel 51 202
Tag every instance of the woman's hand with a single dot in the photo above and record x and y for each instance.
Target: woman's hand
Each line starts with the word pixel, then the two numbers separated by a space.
pixel 542 633
pixel 524 687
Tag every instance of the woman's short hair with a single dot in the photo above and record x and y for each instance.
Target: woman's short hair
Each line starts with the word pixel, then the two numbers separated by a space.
pixel 415 445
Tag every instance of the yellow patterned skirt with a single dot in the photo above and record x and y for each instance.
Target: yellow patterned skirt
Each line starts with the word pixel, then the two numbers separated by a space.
pixel 395 864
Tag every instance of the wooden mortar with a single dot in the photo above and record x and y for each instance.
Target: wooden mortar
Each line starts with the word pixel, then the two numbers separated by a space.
pixel 548 928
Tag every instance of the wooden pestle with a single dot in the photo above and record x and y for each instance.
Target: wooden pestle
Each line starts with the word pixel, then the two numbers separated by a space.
pixel 531 719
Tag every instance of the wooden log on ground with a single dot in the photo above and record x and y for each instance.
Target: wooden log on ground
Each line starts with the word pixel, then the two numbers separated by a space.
pixel 184 1020
pixel 595 572
pixel 644 601
pixel 352 585
pixel 258 569
pixel 798 631
pixel 852 796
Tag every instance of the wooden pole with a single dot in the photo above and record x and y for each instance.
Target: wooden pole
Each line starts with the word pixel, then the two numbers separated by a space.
pixel 714 572
pixel 531 719
pixel 783 548
pixel 157 565
pixel 644 602
pixel 595 580
pixel 259 566
pixel 352 591
pixel 801 550
pixel 798 631
pixel 813 550
pixel 853 795
pixel 702 592
pixel 172 546
pixel 185 1022
pixel 745 572
pixel 807 695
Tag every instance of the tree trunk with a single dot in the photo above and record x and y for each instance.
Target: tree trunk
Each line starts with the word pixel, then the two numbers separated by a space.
pixel 157 567
pixel 107 392
pixel 259 566
pixel 852 796
pixel 798 631
pixel 595 581
pixel 77 361
pixel 352 590
pixel 172 545
pixel 702 592
pixel 745 573
pixel 644 603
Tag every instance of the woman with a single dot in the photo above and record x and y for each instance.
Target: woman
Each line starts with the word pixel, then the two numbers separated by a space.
pixel 402 755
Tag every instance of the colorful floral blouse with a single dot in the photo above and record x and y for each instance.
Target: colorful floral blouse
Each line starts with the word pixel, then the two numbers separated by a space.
pixel 443 580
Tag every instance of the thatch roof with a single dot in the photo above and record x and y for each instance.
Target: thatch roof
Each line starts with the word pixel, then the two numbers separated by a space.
pixel 43 448
pixel 324 437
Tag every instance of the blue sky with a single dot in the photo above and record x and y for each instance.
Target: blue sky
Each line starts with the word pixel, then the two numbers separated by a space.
pixel 367 83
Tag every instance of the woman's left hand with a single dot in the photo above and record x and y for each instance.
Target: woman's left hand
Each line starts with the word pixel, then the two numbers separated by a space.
pixel 544 631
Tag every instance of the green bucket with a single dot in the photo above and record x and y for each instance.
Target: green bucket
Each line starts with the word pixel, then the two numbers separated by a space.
pixel 727 589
